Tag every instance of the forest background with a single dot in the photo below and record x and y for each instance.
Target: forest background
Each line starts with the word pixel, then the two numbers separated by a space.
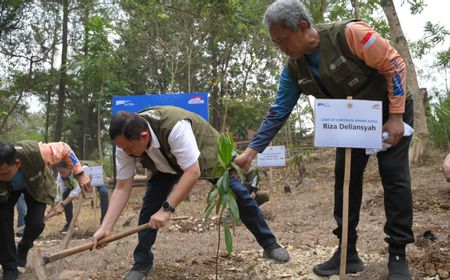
pixel 71 57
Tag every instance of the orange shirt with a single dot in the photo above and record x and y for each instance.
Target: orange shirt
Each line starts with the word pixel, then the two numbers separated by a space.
pixel 377 53
pixel 53 153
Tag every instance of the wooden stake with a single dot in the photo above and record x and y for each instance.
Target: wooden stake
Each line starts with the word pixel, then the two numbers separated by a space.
pixel 344 235
pixel 68 236
pixel 94 197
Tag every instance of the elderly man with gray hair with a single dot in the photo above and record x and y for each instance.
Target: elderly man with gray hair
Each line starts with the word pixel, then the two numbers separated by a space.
pixel 337 60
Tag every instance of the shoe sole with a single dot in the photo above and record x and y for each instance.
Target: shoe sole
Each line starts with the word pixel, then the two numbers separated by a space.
pixel 351 268
pixel 267 256
pixel 146 275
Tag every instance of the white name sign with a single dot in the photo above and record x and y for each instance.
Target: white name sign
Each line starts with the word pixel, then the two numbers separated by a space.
pixel 272 156
pixel 97 175
pixel 348 123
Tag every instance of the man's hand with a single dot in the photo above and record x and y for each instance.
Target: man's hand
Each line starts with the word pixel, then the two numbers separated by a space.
pixel 85 182
pixel 394 126
pixel 48 212
pixel 99 234
pixel 159 219
pixel 244 160
pixel 59 208
pixel 446 168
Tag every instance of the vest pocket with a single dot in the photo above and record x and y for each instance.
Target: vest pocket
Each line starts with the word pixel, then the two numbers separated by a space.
pixel 346 78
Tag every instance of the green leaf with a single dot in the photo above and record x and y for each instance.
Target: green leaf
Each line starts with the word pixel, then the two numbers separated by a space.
pixel 217 171
pixel 212 195
pixel 219 203
pixel 233 208
pixel 239 171
pixel 208 210
pixel 224 200
pixel 225 181
pixel 219 184
pixel 225 150
pixel 228 238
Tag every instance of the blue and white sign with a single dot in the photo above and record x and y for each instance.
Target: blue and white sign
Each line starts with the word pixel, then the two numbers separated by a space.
pixel 195 102
pixel 96 173
pixel 348 123
pixel 272 156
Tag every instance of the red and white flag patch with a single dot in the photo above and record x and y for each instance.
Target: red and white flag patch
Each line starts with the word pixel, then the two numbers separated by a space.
pixel 368 39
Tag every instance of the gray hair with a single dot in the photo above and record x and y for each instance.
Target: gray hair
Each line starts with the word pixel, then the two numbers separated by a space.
pixel 288 13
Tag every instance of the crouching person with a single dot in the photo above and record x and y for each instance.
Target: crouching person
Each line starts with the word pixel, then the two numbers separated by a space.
pixel 178 147
pixel 25 168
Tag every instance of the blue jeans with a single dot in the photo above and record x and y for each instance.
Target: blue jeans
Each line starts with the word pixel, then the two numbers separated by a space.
pixel 21 207
pixel 159 187
pixel 104 200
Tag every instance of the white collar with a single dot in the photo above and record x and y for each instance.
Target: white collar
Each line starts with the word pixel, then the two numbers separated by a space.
pixel 154 143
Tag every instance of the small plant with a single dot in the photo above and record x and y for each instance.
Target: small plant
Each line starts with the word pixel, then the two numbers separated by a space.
pixel 221 196
pixel 297 161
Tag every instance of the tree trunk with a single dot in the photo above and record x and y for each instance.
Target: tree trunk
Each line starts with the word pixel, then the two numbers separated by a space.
pixel 215 91
pixel 99 125
pixel 189 58
pixel 62 77
pixel 48 100
pixel 355 5
pixel 87 107
pixel 420 141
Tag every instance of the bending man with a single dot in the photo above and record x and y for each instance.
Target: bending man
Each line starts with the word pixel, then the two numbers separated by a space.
pixel 25 168
pixel 178 147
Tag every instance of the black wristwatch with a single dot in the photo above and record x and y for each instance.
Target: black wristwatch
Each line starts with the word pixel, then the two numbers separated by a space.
pixel 167 207
pixel 62 204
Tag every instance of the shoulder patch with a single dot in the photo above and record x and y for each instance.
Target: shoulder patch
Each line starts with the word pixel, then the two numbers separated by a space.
pixel 368 39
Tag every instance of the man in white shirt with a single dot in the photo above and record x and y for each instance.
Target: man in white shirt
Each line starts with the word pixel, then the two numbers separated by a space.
pixel 67 190
pixel 178 147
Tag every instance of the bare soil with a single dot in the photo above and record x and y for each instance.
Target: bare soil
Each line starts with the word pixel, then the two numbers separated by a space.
pixel 302 221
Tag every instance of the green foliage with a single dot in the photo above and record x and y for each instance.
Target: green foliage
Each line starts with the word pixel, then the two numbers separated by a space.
pixel 219 47
pixel 439 124
pixel 221 196
pixel 11 14
pixel 416 6
pixel 434 35
pixel 443 59
pixel 228 238
pixel 244 114
pixel 298 156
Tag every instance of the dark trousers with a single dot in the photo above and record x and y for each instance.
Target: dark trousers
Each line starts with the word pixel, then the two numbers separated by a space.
pixel 34 225
pixel 393 166
pixel 159 187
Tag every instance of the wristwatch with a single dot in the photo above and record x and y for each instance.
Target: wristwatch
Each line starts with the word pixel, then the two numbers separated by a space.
pixel 62 204
pixel 167 207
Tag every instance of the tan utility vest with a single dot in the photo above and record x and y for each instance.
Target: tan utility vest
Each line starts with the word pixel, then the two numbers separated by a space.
pixel 38 177
pixel 341 72
pixel 162 119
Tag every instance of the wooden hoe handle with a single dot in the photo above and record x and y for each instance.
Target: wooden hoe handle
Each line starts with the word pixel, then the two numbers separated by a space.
pixel 88 246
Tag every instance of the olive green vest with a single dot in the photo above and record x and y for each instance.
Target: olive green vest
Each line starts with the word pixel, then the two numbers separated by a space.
pixel 341 72
pixel 39 180
pixel 162 119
